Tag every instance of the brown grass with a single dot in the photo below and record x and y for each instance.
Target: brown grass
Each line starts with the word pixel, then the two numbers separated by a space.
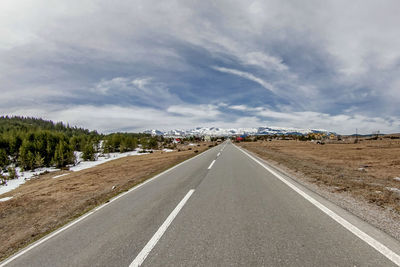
pixel 41 205
pixel 365 170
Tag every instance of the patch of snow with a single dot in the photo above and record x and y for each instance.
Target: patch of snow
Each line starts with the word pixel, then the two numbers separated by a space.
pixel 168 150
pixel 101 158
pixel 79 165
pixel 5 199
pixel 191 144
pixel 22 177
pixel 61 175
pixel 396 179
pixel 394 189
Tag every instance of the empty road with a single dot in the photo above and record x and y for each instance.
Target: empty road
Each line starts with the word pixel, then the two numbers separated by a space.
pixel 221 208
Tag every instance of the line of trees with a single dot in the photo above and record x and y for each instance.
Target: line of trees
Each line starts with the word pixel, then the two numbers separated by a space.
pixel 31 143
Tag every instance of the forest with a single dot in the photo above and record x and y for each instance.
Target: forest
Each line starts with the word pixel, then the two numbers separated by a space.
pixel 31 143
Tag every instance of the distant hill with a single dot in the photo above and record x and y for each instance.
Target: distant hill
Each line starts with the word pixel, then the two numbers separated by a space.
pixel 215 131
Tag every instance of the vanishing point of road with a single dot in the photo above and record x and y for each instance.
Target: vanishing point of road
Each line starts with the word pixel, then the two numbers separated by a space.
pixel 224 207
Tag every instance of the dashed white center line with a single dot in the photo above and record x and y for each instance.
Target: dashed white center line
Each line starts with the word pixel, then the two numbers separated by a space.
pixel 153 241
pixel 218 154
pixel 212 163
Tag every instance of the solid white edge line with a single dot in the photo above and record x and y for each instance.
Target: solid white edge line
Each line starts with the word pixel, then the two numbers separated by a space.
pixel 212 163
pixel 156 237
pixel 388 253
pixel 47 237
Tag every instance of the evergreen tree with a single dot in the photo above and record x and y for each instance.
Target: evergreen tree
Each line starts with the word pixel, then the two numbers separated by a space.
pixel 12 173
pixel 38 160
pixel 88 152
pixel 4 161
pixel 63 155
pixel 151 143
pixel 26 157
pixel 15 142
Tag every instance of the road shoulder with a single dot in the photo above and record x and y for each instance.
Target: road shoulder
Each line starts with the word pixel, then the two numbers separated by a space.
pixel 337 205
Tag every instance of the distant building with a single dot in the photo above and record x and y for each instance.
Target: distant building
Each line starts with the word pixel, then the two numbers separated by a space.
pixel 177 141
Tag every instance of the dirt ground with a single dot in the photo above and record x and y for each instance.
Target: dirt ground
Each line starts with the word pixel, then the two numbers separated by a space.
pixel 366 170
pixel 41 205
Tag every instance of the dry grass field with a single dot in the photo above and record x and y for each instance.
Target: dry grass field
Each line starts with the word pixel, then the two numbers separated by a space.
pixel 366 170
pixel 44 204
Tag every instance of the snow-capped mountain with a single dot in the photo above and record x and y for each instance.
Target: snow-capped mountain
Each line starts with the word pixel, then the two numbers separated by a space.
pixel 214 131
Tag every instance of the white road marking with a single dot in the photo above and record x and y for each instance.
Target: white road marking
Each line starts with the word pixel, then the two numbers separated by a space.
pixel 212 163
pixel 219 153
pixel 388 253
pixel 40 241
pixel 153 241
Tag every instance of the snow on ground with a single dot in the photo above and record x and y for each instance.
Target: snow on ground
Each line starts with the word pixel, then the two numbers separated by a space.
pixel 167 150
pixel 191 144
pixel 81 165
pixel 22 177
pixel 61 175
pixel 5 199
pixel 394 189
pixel 396 179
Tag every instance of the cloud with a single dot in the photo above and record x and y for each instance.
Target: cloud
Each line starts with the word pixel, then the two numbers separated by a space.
pixel 203 112
pixel 239 107
pixel 141 82
pixel 248 76
pixel 143 90
pixel 335 62
pixel 265 61
pixel 342 123
pixel 245 108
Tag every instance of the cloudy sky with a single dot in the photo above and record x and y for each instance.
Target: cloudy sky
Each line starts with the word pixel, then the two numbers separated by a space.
pixel 136 65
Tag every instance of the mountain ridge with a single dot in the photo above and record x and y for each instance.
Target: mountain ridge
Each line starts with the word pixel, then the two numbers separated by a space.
pixel 217 131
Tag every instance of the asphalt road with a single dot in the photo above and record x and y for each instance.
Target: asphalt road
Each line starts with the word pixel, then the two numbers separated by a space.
pixel 221 208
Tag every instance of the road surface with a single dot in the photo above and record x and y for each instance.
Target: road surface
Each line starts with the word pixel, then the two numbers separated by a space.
pixel 221 208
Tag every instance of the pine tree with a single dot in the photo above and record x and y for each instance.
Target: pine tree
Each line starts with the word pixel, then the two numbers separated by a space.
pixel 26 157
pixel 4 161
pixel 12 173
pixel 88 152
pixel 123 146
pixel 38 160
pixel 63 155
pixel 152 143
